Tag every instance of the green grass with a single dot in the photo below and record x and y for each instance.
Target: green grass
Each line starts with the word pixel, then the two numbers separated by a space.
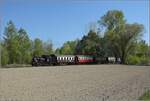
pixel 145 96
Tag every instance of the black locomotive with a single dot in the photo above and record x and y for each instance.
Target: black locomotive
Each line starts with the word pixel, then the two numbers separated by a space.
pixel 44 60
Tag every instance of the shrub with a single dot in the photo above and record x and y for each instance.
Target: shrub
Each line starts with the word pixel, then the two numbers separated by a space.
pixel 133 60
pixel 136 60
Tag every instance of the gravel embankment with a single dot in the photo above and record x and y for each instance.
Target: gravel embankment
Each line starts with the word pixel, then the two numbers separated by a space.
pixel 74 83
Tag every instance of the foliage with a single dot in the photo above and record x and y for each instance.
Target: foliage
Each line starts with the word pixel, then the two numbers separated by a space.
pixel 120 35
pixel 48 47
pixel 121 40
pixel 140 54
pixel 68 48
pixel 11 42
pixel 89 44
pixel 57 51
pixel 18 48
pixel 133 60
pixel 4 55
pixel 25 47
pixel 37 47
pixel 145 96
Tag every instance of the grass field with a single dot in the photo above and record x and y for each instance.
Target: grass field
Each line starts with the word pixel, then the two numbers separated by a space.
pixel 74 83
pixel 145 96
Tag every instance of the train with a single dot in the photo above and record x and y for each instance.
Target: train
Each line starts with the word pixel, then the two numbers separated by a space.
pixel 47 60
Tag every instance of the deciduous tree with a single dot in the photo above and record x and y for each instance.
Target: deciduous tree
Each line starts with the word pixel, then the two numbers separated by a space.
pixel 120 35
pixel 38 47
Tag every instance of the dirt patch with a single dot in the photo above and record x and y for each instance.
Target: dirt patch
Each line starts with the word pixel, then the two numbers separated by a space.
pixel 74 83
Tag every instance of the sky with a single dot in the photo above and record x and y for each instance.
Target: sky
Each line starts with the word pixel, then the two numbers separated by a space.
pixel 64 20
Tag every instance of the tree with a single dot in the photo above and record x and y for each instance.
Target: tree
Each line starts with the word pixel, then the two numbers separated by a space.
pixel 38 47
pixel 128 38
pixel 25 46
pixel 120 36
pixel 48 47
pixel 89 44
pixel 4 55
pixel 140 54
pixel 18 48
pixel 68 48
pixel 11 43
pixel 57 51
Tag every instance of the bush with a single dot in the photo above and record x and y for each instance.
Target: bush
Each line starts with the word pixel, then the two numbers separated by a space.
pixel 136 60
pixel 133 60
pixel 145 96
pixel 144 60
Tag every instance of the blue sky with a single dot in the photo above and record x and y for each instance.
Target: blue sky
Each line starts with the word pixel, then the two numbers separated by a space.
pixel 62 20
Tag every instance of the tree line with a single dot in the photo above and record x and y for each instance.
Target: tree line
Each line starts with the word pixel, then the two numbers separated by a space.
pixel 121 40
pixel 18 48
pixel 117 38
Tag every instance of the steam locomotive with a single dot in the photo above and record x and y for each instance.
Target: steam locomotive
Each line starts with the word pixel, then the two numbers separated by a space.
pixel 47 60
